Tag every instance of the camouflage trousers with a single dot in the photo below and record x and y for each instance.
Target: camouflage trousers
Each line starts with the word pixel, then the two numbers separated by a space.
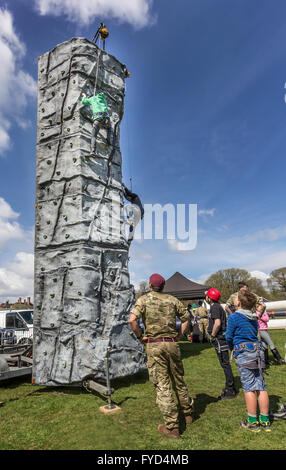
pixel 203 326
pixel 166 371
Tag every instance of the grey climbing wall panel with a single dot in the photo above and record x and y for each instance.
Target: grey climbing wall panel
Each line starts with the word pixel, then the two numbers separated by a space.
pixel 82 293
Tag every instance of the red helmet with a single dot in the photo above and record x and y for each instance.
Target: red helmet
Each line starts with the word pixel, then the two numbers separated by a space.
pixel 213 294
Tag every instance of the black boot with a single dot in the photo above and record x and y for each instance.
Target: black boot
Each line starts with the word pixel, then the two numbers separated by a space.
pixel 277 356
pixel 266 357
pixel 228 394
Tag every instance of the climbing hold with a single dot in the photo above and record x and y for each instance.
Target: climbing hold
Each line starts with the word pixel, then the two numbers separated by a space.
pixel 79 293
pixel 42 269
pixel 52 296
pixel 74 160
pixel 68 263
pixel 49 162
pixel 48 222
pixel 58 173
pixel 70 283
pixel 55 203
pixel 55 279
pixel 45 236
pixel 67 235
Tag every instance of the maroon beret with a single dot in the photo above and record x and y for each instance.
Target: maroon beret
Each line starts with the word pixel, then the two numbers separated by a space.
pixel 157 280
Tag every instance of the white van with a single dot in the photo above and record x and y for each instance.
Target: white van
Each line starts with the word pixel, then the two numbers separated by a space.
pixel 21 322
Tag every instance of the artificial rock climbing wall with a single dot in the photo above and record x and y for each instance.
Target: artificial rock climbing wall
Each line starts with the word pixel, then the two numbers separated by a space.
pixel 83 295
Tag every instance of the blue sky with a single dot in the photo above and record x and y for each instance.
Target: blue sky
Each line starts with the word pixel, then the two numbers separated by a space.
pixel 204 123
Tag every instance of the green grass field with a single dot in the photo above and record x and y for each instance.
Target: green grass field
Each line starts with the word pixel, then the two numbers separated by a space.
pixel 42 418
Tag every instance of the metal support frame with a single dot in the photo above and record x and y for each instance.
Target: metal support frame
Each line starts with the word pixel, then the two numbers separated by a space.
pixel 107 391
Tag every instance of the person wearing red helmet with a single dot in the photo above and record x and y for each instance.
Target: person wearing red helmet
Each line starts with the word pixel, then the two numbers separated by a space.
pixel 216 331
pixel 158 312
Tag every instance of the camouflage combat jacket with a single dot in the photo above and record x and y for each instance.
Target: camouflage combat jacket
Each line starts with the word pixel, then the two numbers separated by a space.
pixel 158 312
pixel 202 312
pixel 230 301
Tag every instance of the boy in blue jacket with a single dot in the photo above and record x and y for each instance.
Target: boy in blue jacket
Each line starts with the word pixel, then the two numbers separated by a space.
pixel 241 337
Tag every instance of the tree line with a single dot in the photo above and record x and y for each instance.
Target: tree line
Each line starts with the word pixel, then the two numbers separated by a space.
pixel 226 281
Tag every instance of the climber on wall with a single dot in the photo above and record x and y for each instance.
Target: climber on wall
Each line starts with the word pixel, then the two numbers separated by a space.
pixel 100 117
pixel 138 209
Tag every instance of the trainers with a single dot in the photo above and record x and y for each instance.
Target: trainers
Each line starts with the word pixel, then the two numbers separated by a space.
pixel 172 434
pixel 265 426
pixel 254 427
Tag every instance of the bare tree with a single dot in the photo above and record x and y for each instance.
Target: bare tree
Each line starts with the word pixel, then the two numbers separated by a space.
pixel 142 289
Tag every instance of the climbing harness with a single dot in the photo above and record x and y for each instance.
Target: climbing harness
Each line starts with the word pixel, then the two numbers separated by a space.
pixel 255 356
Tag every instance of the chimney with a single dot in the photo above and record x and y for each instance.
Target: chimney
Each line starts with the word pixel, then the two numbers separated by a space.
pixel 19 300
pixel 29 300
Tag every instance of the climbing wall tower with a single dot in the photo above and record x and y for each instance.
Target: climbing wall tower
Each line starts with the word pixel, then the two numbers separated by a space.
pixel 82 293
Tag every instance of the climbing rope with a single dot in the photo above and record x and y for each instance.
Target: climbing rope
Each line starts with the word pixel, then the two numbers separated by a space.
pixel 128 150
pixel 97 68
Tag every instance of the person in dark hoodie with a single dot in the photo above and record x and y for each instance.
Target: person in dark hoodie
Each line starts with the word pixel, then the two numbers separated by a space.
pixel 241 337
pixel 135 200
pixel 216 332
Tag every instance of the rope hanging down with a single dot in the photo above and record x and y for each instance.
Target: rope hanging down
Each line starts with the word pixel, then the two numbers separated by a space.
pixel 97 67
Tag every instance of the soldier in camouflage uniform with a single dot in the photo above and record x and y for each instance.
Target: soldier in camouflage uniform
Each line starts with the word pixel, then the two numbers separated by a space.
pixel 158 312
pixel 230 305
pixel 203 315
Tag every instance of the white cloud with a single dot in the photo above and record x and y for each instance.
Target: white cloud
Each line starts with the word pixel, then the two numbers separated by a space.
pixel 257 251
pixel 6 211
pixel 270 261
pixel 136 12
pixel 12 77
pixel 260 275
pixel 206 212
pixel 202 279
pixel 9 227
pixel 17 278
